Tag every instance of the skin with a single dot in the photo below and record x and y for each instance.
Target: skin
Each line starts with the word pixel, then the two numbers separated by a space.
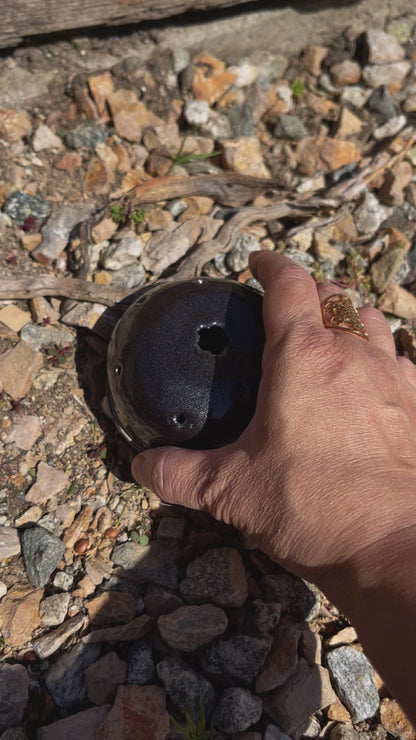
pixel 323 478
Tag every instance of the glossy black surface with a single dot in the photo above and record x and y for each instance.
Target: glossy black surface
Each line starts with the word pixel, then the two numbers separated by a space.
pixel 184 363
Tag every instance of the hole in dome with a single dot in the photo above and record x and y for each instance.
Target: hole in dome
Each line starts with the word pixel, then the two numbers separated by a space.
pixel 213 339
pixel 180 419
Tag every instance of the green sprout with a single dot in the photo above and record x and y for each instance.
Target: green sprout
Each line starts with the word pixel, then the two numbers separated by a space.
pixel 297 88
pixel 138 216
pixel 118 213
pixel 194 730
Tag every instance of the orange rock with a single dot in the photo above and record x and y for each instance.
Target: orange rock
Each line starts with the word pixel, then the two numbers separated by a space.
pixel 307 155
pixel 70 161
pixel 243 154
pixel 312 58
pixel 394 721
pixel 14 124
pixel 98 179
pixel 139 713
pixel 322 106
pixel 346 73
pixel 123 157
pixel 211 79
pixel 19 614
pixel 338 712
pixel 130 115
pixel 101 87
pixel 398 301
pixel 336 153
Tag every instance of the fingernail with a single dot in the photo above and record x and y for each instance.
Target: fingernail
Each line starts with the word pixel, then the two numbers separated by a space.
pixel 137 468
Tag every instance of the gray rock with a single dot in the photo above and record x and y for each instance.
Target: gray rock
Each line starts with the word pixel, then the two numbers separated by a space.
pixel 381 47
pixel 186 688
pixel 9 543
pixel 290 127
pixel 65 678
pixel 273 732
pixel 190 627
pixel 218 576
pixel 14 694
pixel 56 232
pixel 266 616
pixel 20 206
pixel 42 551
pixel 122 252
pixel 381 104
pixel 353 678
pixel 385 74
pixel 14 733
pixel 237 709
pixel 63 580
pixel 87 135
pixel 237 257
pixel 181 59
pixel 237 659
pixel 196 112
pixel 47 644
pixel 140 667
pixel 131 276
pixel 297 597
pixel 241 120
pixel 53 609
pixel 159 600
pixel 346 732
pixel 154 563
pixel 369 214
pixel 44 336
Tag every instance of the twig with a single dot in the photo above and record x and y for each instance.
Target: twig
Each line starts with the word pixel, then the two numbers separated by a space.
pixel 79 290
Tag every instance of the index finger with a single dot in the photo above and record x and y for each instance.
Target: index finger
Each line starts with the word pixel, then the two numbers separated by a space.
pixel 291 298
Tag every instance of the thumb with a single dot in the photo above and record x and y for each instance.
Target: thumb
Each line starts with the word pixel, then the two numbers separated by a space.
pixel 176 475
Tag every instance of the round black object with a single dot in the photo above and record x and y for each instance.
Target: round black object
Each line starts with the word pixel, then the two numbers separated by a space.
pixel 184 364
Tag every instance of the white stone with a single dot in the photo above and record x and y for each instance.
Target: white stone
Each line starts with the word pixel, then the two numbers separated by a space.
pixel 196 112
pixel 24 432
pixel 9 543
pixel 44 138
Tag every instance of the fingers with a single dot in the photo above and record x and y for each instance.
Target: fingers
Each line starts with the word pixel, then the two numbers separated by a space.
pixel 290 300
pixel 407 369
pixel 176 475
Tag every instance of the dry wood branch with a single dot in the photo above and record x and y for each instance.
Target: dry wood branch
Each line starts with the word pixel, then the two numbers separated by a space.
pixel 43 285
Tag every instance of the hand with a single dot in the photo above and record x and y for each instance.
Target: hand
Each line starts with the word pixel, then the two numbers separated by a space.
pixel 327 467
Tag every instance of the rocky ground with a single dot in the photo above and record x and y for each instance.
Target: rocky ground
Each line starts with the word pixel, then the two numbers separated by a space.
pixel 118 613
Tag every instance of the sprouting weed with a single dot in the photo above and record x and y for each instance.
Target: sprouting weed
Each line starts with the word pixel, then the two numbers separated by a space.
pixel 194 730
pixel 138 216
pixel 118 213
pixel 56 355
pixel 297 88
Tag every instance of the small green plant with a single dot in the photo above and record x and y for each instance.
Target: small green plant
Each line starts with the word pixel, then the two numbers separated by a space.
pixel 138 216
pixel 356 271
pixel 297 88
pixel 194 730
pixel 118 213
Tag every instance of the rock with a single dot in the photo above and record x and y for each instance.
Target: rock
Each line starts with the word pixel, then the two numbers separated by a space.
pixel 307 691
pixel 99 178
pixel 69 161
pixel 218 575
pixel 13 317
pixel 140 667
pixel 24 432
pixel 245 73
pixel 78 527
pixel 289 127
pixel 307 156
pixel 386 74
pixel 101 87
pixel 55 233
pixel 266 616
pixel 345 73
pixel 196 112
pixel 239 658
pixel 82 725
pixel 186 688
pixel 171 528
pixel 335 153
pixel 103 678
pixel 97 570
pixel 9 543
pixel 48 644
pixel 390 128
pixel 3 589
pixel 386 269
pixel 139 712
pixel 338 712
pixel 19 614
pixel 65 678
pixel 21 207
pixel 63 580
pixel 369 214
pixel 237 258
pixel 381 104
pixel 243 154
pixel 159 600
pixel 398 301
pixel 273 732
pixel 122 253
pixel 381 47
pixel 211 79
pixel 190 627
pixel 111 607
pixel 348 124
pixel 54 608
pixel 44 138
pixel 18 367
pixel 281 660
pixel 343 637
pixel 14 694
pixel 355 95
pixel 297 597
pixel 153 563
pixel 130 116
pixel 130 277
pixel 311 647
pixel 353 679
pixel 236 710
pixel 42 551
pixel 39 337
pixel 394 721
pixel 84 314
pixel 134 630
pixel 312 58
pixel 49 482
pixel 14 124
pixel 88 135
pixel 344 732
pixel 395 182
pixel 14 733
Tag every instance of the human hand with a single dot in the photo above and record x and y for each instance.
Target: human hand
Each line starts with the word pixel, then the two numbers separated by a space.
pixel 327 466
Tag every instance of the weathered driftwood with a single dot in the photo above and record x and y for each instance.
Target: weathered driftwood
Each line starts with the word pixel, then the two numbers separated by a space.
pixel 21 19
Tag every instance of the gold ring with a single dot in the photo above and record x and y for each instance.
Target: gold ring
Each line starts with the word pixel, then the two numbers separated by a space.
pixel 339 313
